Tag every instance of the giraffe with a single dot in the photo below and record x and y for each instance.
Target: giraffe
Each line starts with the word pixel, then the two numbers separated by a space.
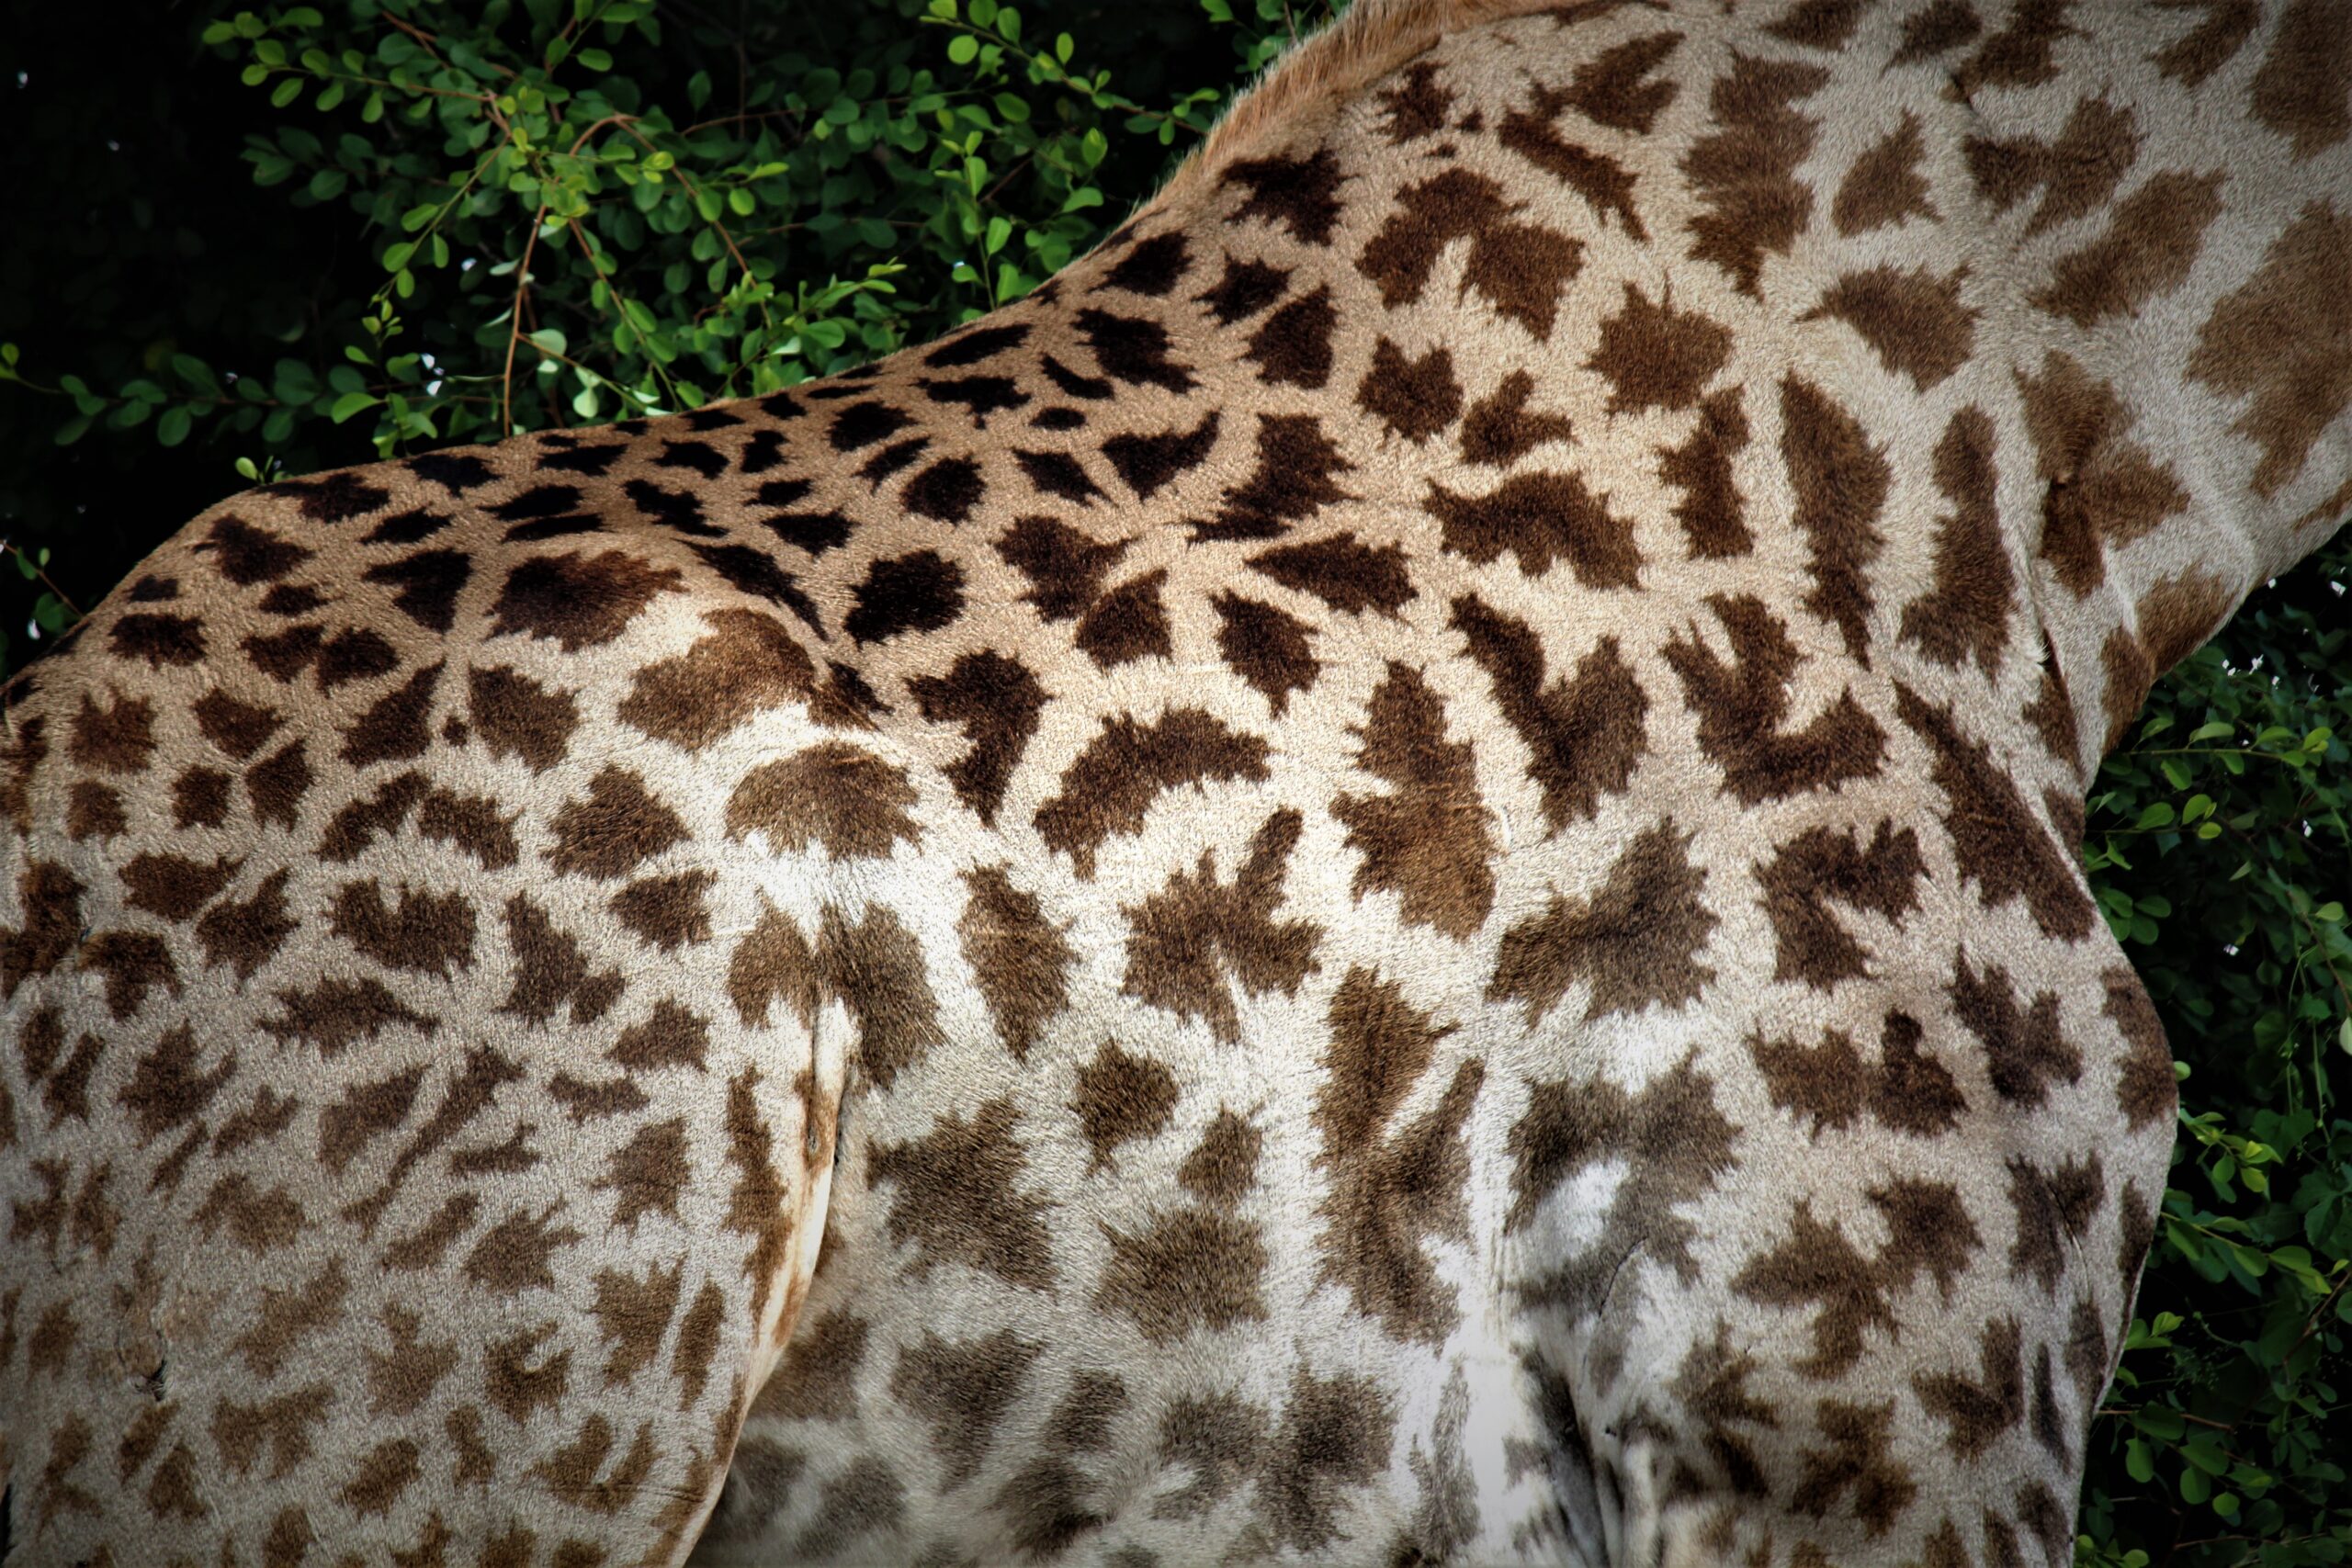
pixel 1385 879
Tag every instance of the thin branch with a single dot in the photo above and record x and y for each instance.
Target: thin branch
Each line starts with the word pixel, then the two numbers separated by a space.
pixel 515 327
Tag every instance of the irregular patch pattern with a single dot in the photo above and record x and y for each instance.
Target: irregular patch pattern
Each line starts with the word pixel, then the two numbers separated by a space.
pixel 1384 879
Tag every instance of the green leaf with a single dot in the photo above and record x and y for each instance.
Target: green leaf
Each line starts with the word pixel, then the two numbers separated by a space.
pixel 351 403
pixel 963 49
pixel 172 428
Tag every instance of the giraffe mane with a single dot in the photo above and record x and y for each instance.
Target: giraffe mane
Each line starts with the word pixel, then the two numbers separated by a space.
pixel 1312 77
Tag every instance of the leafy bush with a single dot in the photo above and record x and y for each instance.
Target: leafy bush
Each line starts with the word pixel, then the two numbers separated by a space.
pixel 574 210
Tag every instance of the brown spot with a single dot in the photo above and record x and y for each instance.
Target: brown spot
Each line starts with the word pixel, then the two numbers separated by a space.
pixel 200 798
pixel 1914 321
pixel 962 1391
pixel 670 1036
pixel 1858 1459
pixel 516 716
pixel 366 1111
pixel 1149 463
pixel 117 738
pixel 286 1317
pixel 173 886
pixel 166 1090
pixel 1711 508
pixel 1656 357
pixel 157 639
pixel 1266 646
pixel 1742 708
pixel 2212 44
pixel 550 970
pixel 1746 171
pixel 1112 784
pixel 1416 106
pixel 698 1342
pixel 647 1173
pixel 2024 1049
pixel 395 726
pixel 817 1380
pixel 239 728
pixel 1342 572
pixel 1885 186
pixel 1223 1165
pixel 511 1256
pixel 2145 1087
pixel 1020 960
pixel 633 1315
pixel 1414 398
pixel 1610 88
pixel 2151 242
pixel 1064 566
pixel 1300 194
pixel 957 1203
pixel 1966 613
pixel 277 783
pixel 2102 491
pixel 1997 841
pixel 773 962
pixel 996 700
pixel 1842 482
pixel 1293 346
pixel 1189 1269
pixel 1606 185
pixel 1119 1098
pixel 756 1206
pixel 255 1220
pixel 618 827
pixel 747 664
pixel 1220 1440
pixel 427 933
pixel 94 811
pixel 2285 336
pixel 2076 174
pixel 1521 268
pixel 833 792
pixel 1637 939
pixel 1430 839
pixel 1297 462
pixel 667 911
pixel 2019 54
pixel 580 602
pixel 282 1425
pixel 1818 866
pixel 1185 940
pixel 875 968
pixel 1500 429
pixel 2304 91
pixel 1979 1410
pixel 1584 733
pixel 1389 1192
pixel 1127 623
pixel 1540 518
pixel 403 1374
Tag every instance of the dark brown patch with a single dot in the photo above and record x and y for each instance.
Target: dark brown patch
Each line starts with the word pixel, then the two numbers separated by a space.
pixel 1110 785
pixel 117 738
pixel 997 701
pixel 1742 708
pixel 648 1173
pixel 2145 1089
pixel 1148 464
pixel 1637 939
pixel 245 936
pixel 667 911
pixel 1293 480
pixel 1746 171
pixel 1342 572
pixel 1885 187
pixel 1428 841
pixel 2282 336
pixel 1819 866
pixel 920 592
pixel 1186 938
pixel 1064 566
pixel 1842 482
pixel 1127 623
pixel 1656 357
pixel 2076 174
pixel 1119 1098
pixel 1858 1459
pixel 1416 106
pixel 1293 346
pixel 551 969
pixel 2019 54
pixel 2149 245
pixel 1934 28
pixel 1611 88
pixel 1300 194
pixel 1966 613
pixel 749 663
pixel 1606 185
pixel 173 886
pixel 955 1198
pixel 1500 430
pixel 835 793
pixel 580 601
pixel 1189 1269
pixel 424 932
pixel 1020 961
pixel 1998 842
pixel 2101 490
pixel 1914 321
pixel 962 1391
pixel 616 828
pixel 1584 733
pixel 1414 398
pixel 1521 268
pixel 1540 518
pixel 2024 1047
pixel 2304 90
pixel 1224 1165
pixel 2212 44
pixel 1266 646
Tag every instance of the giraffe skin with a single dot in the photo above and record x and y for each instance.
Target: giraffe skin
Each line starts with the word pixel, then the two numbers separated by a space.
pixel 1386 879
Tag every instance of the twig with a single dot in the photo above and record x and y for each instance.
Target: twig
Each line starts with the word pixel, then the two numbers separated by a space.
pixel 515 327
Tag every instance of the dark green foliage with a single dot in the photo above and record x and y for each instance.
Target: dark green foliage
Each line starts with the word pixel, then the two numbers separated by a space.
pixel 294 238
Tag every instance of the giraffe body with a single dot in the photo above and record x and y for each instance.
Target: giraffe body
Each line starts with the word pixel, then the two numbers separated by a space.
pixel 1386 879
